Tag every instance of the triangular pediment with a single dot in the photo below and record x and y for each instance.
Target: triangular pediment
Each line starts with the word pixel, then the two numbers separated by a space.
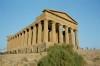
pixel 61 14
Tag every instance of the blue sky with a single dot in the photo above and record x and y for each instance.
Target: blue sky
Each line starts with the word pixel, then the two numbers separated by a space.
pixel 17 14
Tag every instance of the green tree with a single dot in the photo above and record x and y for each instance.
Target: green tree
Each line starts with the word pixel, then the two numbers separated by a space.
pixel 62 55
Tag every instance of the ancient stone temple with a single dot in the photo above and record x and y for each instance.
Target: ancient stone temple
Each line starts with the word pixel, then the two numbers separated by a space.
pixel 51 27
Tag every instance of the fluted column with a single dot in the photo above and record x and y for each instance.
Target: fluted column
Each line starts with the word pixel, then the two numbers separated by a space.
pixel 76 39
pixel 22 40
pixel 66 35
pixel 73 37
pixel 34 35
pixel 26 41
pixel 45 38
pixel 19 41
pixel 39 33
pixel 10 44
pixel 30 37
pixel 60 34
pixel 53 33
pixel 16 42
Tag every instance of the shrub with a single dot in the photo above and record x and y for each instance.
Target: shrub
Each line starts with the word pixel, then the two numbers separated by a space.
pixel 62 55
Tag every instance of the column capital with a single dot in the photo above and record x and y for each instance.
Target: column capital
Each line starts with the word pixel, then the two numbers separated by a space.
pixel 29 27
pixel 46 19
pixel 66 26
pixel 45 38
pixel 53 22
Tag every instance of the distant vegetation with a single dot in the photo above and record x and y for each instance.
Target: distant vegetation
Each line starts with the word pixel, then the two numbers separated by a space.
pixel 62 56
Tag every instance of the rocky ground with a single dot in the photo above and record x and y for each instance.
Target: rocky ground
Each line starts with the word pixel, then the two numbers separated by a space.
pixel 20 59
pixel 92 58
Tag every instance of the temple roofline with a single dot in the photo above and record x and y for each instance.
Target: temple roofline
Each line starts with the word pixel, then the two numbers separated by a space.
pixel 47 10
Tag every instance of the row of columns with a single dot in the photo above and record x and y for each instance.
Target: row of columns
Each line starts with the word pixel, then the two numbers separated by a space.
pixel 39 34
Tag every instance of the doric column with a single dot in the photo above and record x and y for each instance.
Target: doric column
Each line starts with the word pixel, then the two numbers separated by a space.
pixel 30 37
pixel 53 33
pixel 16 41
pixel 11 43
pixel 14 46
pixel 8 44
pixel 73 37
pixel 66 35
pixel 22 41
pixel 26 37
pixel 45 38
pixel 34 35
pixel 76 39
pixel 39 32
pixel 60 34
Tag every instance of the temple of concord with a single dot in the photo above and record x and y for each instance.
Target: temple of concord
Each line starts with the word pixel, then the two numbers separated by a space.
pixel 51 27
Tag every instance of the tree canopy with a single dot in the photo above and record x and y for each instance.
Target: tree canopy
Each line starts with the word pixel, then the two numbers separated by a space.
pixel 61 55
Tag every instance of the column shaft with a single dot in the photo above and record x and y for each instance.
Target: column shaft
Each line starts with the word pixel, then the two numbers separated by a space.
pixel 34 35
pixel 66 35
pixel 73 37
pixel 26 41
pixel 45 38
pixel 15 43
pixel 53 33
pixel 23 39
pixel 22 42
pixel 39 33
pixel 10 44
pixel 60 34
pixel 76 40
pixel 19 41
pixel 30 37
